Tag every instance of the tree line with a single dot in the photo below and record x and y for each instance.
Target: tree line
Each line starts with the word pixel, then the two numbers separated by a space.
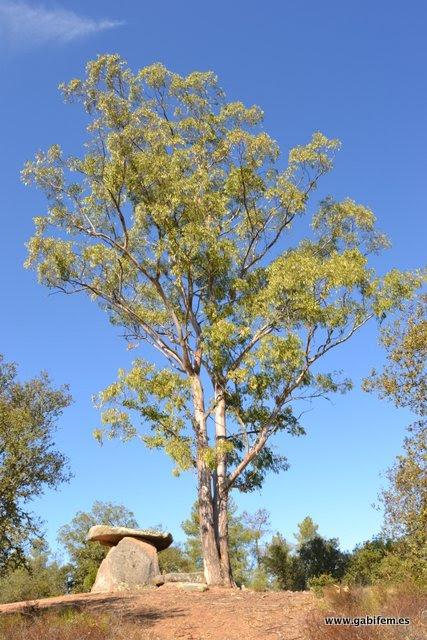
pixel 259 562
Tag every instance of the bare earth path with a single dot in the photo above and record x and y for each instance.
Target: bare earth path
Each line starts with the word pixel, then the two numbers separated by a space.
pixel 170 613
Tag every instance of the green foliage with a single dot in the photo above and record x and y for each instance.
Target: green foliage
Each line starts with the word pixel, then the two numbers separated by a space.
pixel 320 556
pixel 170 222
pixel 161 398
pixel 259 579
pixel 405 500
pixel 286 569
pixel 40 578
pixel 307 530
pixel 317 583
pixel 364 567
pixel 403 566
pixel 29 462
pixel 240 539
pixel 403 379
pixel 85 557
pixel 314 556
pixel 174 559
pixel 404 382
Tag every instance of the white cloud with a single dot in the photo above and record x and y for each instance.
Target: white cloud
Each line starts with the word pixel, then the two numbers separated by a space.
pixel 27 25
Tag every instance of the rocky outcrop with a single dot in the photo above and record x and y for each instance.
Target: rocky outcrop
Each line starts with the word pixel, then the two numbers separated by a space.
pixel 129 566
pixel 111 536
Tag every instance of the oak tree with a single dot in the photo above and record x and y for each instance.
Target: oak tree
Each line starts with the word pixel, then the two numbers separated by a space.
pixel 29 461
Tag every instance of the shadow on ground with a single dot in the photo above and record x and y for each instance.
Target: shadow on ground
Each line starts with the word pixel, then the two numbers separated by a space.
pixel 122 606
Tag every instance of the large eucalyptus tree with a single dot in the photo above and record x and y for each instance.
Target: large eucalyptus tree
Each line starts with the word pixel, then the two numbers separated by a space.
pixel 176 221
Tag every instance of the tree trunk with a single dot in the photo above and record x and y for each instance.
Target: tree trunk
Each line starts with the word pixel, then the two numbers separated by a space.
pixel 211 559
pixel 221 495
pixel 226 572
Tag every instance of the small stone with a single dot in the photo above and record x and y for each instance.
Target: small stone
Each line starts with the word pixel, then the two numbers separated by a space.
pixel 192 586
pixel 158 581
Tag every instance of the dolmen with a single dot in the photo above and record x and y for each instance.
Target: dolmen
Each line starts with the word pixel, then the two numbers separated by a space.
pixel 131 562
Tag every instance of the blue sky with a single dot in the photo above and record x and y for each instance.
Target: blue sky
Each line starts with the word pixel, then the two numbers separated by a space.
pixel 354 70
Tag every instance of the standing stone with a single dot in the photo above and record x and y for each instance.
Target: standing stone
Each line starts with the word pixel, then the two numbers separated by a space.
pixel 128 566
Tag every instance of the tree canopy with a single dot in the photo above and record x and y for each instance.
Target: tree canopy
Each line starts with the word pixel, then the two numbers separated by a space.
pixel 307 530
pixel 403 379
pixel 29 462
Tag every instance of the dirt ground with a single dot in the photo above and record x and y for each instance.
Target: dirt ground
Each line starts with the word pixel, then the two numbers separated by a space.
pixel 170 613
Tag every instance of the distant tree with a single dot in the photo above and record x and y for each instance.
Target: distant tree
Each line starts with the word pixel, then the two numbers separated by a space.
pixel 85 557
pixel 405 499
pixel 174 221
pixel 320 556
pixel 29 462
pixel 174 559
pixel 307 530
pixel 286 569
pixel 404 382
pixel 258 523
pixel 241 539
pixel 41 577
pixel 364 566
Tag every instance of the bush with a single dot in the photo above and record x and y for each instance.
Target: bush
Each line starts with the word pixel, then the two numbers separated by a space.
pixel 397 568
pixel 259 580
pixel 364 565
pixel 317 583
pixel 40 579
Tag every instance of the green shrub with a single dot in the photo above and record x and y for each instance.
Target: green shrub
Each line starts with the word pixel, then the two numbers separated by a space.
pixel 259 580
pixel 40 579
pixel 364 565
pixel 317 583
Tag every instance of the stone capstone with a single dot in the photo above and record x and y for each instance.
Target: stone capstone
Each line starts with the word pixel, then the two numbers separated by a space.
pixel 130 565
pixel 111 536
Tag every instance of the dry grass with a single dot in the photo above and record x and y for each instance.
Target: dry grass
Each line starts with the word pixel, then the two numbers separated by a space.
pixel 69 625
pixel 404 602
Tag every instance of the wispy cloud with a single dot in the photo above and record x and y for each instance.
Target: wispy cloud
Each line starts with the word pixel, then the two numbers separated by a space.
pixel 26 24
